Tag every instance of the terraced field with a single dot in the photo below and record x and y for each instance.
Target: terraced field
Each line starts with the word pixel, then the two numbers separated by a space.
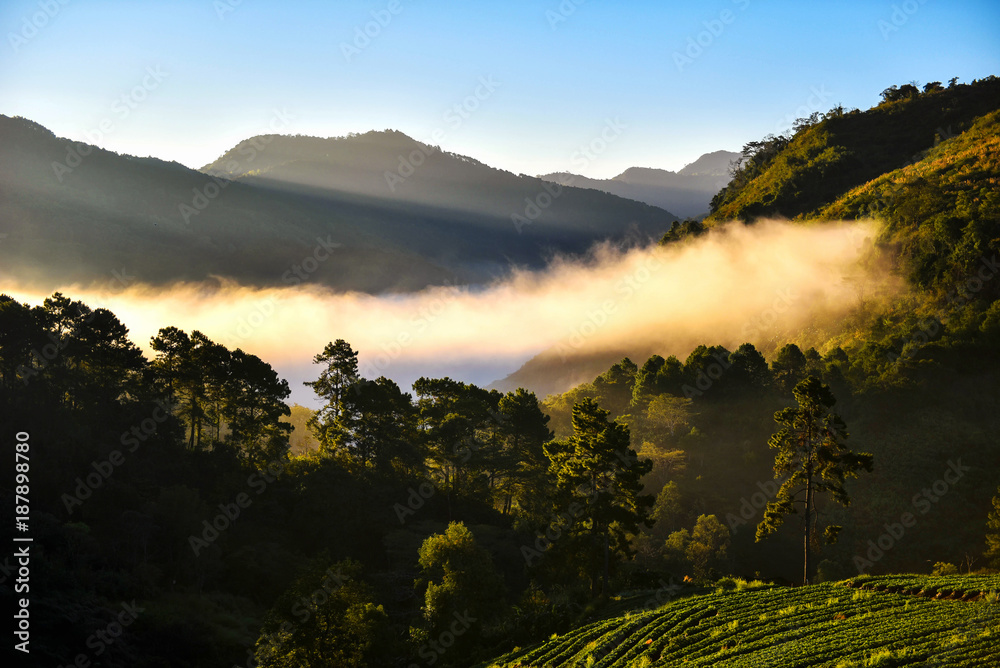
pixel 898 620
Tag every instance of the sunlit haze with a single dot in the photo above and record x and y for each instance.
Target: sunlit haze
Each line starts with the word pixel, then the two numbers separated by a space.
pixel 733 285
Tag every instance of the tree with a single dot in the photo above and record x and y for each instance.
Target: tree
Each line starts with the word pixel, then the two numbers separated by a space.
pixel 705 369
pixel 378 425
pixel 657 376
pixel 788 367
pixel 460 429
pixel 521 464
pixel 894 93
pixel 615 385
pixel 254 403
pixel 22 336
pixel 993 533
pixel 339 373
pixel 812 457
pixel 707 547
pixel 749 368
pixel 461 586
pixel 197 374
pixel 599 475
pixel 326 618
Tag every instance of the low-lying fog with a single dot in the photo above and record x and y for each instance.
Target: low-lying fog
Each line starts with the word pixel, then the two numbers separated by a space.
pixel 732 285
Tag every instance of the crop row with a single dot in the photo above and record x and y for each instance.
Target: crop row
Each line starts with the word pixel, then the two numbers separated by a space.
pixel 820 625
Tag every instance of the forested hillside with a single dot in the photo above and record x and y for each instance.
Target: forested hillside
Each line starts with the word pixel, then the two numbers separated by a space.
pixel 452 524
pixel 828 154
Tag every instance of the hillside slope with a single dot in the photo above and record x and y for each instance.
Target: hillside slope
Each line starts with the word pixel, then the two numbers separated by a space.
pixel 799 175
pixel 866 622
pixel 942 213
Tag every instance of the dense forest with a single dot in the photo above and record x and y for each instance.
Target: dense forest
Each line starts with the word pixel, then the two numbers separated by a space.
pixel 175 526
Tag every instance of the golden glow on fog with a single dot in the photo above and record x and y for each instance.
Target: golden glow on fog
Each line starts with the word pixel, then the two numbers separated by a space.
pixel 719 288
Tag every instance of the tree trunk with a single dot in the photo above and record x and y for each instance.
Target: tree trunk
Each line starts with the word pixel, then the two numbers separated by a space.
pixel 805 539
pixel 607 560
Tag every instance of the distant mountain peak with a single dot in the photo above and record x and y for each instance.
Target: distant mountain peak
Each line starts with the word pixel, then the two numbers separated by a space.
pixel 715 163
pixel 687 193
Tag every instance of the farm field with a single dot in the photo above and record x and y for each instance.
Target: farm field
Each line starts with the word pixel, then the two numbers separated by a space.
pixel 895 620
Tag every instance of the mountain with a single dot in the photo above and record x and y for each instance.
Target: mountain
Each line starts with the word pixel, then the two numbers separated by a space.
pixel 687 192
pixel 936 199
pixel 73 212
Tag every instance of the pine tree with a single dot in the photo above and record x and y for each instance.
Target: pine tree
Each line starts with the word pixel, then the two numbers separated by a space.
pixel 813 459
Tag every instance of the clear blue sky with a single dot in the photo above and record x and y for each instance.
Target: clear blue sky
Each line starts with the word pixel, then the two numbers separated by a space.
pixel 562 68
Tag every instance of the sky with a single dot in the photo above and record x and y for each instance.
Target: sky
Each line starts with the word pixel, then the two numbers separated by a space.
pixel 523 85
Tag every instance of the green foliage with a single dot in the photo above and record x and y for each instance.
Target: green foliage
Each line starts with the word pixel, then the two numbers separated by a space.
pixel 831 153
pixel 377 426
pixel 763 625
pixel 327 617
pixel 215 390
pixel 690 228
pixel 940 213
pixel 463 594
pixel 993 533
pixel 811 459
pixel 616 386
pixel 708 545
pixel 597 472
pixel 339 372
pixel 788 367
pixel 944 568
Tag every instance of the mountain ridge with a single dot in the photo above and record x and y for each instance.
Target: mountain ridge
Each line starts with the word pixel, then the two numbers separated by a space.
pixel 73 210
pixel 687 192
